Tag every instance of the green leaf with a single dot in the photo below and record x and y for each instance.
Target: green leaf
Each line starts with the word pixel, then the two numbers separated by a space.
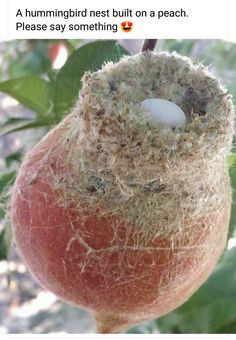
pixel 5 241
pixel 31 91
pixel 6 180
pixel 212 309
pixel 228 329
pixel 232 172
pixel 17 124
pixel 89 57
pixel 52 75
pixel 13 157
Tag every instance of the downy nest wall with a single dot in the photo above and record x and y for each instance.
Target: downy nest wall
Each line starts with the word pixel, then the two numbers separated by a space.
pixel 150 176
pixel 122 216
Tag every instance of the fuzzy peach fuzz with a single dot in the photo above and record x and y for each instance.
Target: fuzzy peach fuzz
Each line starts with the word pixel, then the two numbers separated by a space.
pixel 121 216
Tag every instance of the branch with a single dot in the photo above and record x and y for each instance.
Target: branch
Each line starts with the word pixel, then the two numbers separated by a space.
pixel 149 44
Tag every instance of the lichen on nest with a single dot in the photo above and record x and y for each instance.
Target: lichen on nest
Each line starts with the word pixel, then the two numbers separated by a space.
pixel 123 165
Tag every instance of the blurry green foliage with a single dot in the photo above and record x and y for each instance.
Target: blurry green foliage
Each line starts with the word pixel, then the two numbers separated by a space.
pixel 48 98
pixel 183 47
pixel 27 57
pixel 5 239
pixel 232 172
pixel 6 180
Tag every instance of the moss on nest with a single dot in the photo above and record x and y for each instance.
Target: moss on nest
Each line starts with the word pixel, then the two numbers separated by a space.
pixel 155 178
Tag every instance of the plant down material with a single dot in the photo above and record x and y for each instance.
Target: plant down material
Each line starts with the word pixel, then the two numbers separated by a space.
pixel 120 216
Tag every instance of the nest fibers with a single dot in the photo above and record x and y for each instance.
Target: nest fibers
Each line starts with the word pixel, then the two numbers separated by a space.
pixel 158 179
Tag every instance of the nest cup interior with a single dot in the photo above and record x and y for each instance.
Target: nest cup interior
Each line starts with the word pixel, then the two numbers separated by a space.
pixel 130 167
pixel 117 91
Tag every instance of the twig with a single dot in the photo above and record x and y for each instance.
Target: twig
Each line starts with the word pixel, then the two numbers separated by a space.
pixel 149 44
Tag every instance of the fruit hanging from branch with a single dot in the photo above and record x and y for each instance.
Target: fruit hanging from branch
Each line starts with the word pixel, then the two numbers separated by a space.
pixel 122 209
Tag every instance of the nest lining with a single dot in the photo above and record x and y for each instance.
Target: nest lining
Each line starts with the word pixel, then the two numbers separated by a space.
pixel 121 164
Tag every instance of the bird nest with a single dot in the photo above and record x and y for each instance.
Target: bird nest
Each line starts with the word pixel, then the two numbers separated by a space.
pixel 122 164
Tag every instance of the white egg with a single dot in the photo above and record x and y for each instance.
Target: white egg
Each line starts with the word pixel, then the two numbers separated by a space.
pixel 164 113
